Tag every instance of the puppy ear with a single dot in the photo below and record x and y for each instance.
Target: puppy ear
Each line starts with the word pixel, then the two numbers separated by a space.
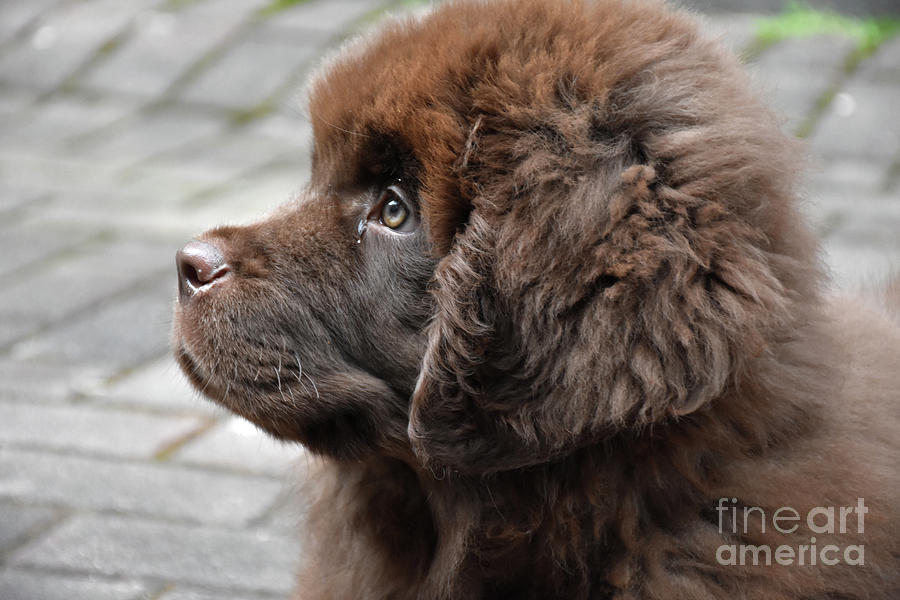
pixel 582 308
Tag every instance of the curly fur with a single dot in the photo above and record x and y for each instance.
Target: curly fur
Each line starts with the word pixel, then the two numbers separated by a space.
pixel 612 318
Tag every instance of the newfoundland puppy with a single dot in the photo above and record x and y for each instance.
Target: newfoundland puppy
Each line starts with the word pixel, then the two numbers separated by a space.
pixel 550 316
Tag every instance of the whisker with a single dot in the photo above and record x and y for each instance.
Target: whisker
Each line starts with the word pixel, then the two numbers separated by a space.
pixel 278 373
pixel 228 385
pixel 280 388
pixel 314 387
pixel 356 133
pixel 207 379
pixel 291 394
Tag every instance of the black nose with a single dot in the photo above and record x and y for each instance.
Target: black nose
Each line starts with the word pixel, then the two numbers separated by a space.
pixel 199 265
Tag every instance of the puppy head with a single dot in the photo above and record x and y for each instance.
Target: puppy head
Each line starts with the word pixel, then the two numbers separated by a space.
pixel 529 225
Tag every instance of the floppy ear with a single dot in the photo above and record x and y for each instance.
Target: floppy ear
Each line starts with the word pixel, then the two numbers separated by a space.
pixel 580 308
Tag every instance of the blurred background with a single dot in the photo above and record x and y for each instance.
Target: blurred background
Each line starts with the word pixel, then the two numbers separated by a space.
pixel 128 126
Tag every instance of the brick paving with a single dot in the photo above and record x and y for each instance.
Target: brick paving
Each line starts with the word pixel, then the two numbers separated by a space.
pixel 125 127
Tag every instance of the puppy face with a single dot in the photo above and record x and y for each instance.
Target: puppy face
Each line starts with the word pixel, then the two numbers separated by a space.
pixel 314 329
pixel 529 224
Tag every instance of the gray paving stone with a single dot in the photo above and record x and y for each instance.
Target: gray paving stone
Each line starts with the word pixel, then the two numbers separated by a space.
pixel 862 121
pixel 252 70
pixel 334 16
pixel 852 7
pixel 163 46
pixel 189 595
pixel 115 336
pixel 884 65
pixel 246 9
pixel 16 14
pixel 157 385
pixel 13 101
pixel 33 382
pixel 860 124
pixel 63 41
pixel 44 128
pixel 15 329
pixel 157 217
pixel 146 136
pixel 17 521
pixel 16 584
pixel 13 197
pixel 223 207
pixel 160 490
pixel 141 202
pixel 728 6
pixel 860 240
pixel 237 444
pixel 82 428
pixel 104 194
pixel 87 276
pixel 820 59
pixel 232 561
pixel 250 198
pixel 71 172
pixel 147 198
pixel 177 182
pixel 873 221
pixel 226 157
pixel 24 245
pixel 289 125
pixel 846 178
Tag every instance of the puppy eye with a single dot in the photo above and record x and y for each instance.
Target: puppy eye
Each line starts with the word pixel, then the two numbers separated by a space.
pixel 394 211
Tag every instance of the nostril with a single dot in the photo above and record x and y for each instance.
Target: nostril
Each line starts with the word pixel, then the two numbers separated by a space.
pixel 199 264
pixel 191 275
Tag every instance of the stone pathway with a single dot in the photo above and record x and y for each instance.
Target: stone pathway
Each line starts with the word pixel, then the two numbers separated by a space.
pixel 125 127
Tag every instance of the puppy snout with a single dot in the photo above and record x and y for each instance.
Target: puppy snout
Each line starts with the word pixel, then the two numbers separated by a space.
pixel 200 265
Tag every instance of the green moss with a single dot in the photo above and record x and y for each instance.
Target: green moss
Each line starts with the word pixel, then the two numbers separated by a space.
pixel 799 20
pixel 276 6
pixel 110 46
pixel 242 117
pixel 176 5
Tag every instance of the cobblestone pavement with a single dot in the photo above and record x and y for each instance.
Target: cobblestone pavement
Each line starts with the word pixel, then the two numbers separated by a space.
pixel 125 127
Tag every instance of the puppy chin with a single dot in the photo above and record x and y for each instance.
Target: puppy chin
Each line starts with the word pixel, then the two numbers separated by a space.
pixel 198 377
pixel 347 415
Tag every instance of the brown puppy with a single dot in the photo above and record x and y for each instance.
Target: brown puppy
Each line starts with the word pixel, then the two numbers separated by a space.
pixel 549 314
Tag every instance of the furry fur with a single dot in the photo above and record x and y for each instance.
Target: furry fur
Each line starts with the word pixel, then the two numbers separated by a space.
pixel 609 318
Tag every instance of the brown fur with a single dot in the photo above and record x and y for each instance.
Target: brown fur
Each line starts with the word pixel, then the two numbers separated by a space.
pixel 610 317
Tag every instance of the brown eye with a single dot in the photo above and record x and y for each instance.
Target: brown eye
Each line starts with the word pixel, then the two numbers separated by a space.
pixel 394 211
